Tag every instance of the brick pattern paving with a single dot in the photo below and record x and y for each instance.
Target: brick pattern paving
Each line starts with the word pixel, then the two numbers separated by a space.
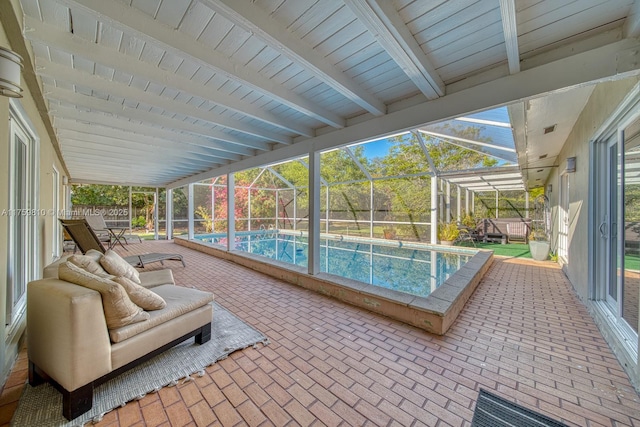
pixel 524 335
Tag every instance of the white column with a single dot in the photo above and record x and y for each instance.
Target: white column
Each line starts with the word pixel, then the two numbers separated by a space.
pixel 190 211
pixel 295 208
pixel 497 203
pixel 213 207
pixel 326 222
pixel 447 202
pixel 458 204
pixel 473 201
pixel 371 208
pixel 434 210
pixel 466 201
pixel 130 209
pixel 169 214
pixel 526 204
pixel 314 213
pixel 156 212
pixel 249 210
pixel 231 207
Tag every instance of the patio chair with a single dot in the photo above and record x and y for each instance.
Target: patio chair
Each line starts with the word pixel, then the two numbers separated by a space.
pixel 86 239
pixel 518 231
pixel 116 234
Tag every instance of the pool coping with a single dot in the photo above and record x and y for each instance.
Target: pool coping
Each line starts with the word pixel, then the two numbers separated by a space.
pixel 435 313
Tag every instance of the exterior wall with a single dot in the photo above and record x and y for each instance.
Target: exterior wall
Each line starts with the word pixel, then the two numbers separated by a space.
pixel 11 37
pixel 604 100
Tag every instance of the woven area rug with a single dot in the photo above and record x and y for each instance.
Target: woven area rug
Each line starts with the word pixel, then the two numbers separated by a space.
pixel 42 405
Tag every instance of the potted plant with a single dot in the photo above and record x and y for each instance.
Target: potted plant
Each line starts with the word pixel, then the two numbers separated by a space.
pixel 448 233
pixel 469 221
pixel 539 244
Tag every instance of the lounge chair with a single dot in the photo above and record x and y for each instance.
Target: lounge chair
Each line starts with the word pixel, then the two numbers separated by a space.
pixel 116 234
pixel 86 239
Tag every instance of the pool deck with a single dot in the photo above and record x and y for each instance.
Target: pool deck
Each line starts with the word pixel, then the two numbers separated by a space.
pixel 523 335
pixel 435 313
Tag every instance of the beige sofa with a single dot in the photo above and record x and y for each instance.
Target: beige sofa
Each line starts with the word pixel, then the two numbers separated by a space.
pixel 70 345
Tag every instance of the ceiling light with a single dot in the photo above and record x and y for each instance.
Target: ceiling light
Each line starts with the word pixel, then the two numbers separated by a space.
pixel 10 68
pixel 539 170
pixel 544 156
pixel 549 129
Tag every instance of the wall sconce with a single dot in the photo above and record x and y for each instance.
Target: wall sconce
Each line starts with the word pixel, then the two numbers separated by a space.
pixel 10 68
pixel 571 165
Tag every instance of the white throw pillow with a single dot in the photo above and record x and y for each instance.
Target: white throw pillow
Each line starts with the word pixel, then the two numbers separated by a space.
pixel 118 308
pixel 116 265
pixel 90 264
pixel 141 296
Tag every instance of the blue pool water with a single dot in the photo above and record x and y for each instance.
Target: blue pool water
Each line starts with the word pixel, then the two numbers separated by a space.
pixel 412 270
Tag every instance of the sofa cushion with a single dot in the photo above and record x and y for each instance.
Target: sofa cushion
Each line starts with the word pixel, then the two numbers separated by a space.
pixel 179 301
pixel 141 296
pixel 118 308
pixel 152 278
pixel 116 265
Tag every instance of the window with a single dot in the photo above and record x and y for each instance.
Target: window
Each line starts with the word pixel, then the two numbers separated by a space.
pixel 22 213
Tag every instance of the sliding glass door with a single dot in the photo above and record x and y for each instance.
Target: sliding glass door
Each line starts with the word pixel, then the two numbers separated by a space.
pixel 618 163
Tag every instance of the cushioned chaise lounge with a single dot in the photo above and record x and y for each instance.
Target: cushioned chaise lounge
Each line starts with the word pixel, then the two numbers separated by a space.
pixel 87 324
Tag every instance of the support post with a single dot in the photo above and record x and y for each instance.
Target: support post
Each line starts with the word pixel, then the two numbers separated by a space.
pixel 169 214
pixel 314 213
pixel 526 204
pixel 497 201
pixel 249 210
pixel 190 211
pixel 130 208
pixel 156 212
pixel 466 201
pixel 295 208
pixel 447 201
pixel 231 208
pixel 371 209
pixel 434 210
pixel 473 201
pixel 326 221
pixel 213 206
pixel 458 203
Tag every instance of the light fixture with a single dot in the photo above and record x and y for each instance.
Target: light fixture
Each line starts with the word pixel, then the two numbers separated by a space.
pixel 549 129
pixel 10 68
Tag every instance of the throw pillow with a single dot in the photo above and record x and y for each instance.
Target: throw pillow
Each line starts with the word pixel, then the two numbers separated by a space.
pixel 89 263
pixel 141 296
pixel 118 308
pixel 116 265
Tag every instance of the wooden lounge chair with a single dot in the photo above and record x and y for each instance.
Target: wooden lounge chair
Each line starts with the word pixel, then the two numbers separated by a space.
pixel 86 239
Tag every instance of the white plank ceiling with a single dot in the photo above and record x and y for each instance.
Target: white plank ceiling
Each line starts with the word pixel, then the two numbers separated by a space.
pixel 166 92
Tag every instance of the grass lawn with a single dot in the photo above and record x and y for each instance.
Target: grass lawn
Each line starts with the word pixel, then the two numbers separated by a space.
pixel 519 250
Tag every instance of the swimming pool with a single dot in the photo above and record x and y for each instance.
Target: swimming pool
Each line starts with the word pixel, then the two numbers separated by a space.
pixel 411 269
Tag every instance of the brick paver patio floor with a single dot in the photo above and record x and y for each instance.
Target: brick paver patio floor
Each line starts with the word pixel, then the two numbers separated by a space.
pixel 524 334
